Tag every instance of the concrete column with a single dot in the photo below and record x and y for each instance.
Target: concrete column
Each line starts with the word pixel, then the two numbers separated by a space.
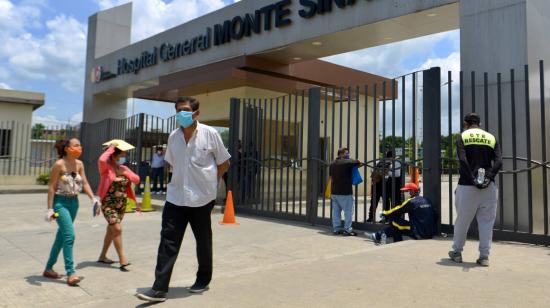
pixel 496 36
pixel 108 31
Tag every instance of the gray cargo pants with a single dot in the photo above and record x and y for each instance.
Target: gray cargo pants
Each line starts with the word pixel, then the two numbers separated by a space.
pixel 481 203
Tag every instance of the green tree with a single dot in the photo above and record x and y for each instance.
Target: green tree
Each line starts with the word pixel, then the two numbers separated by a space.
pixel 38 131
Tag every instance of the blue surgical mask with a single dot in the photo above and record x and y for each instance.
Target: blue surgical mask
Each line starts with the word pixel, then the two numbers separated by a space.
pixel 122 160
pixel 346 156
pixel 184 118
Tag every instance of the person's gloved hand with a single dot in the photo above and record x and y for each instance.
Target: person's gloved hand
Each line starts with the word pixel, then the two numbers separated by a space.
pixel 49 215
pixel 96 206
pixel 382 218
pixel 485 184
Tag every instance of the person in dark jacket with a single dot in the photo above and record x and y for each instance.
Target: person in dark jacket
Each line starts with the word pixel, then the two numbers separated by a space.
pixel 340 172
pixel 422 224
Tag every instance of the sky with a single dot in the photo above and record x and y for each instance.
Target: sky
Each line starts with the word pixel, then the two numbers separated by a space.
pixel 44 47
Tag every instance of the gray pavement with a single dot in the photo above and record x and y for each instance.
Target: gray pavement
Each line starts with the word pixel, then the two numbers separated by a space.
pixel 262 263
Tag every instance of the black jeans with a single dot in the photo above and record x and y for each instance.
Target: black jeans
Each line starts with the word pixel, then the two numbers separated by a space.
pixel 158 176
pixel 399 229
pixel 174 222
pixel 393 192
pixel 375 198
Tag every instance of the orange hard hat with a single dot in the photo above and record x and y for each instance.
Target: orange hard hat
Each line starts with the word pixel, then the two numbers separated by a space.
pixel 410 186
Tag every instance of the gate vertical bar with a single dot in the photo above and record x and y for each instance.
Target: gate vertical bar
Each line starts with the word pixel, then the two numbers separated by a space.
pixel 432 137
pixel 500 176
pixel 302 148
pixel 403 130
pixel 325 146
pixel 365 170
pixel 528 142
pixel 357 149
pixel 234 126
pixel 314 113
pixel 514 152
pixel 543 137
pixel 450 164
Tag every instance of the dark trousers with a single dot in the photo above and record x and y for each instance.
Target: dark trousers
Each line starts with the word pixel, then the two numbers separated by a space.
pixel 375 198
pixel 158 176
pixel 397 228
pixel 174 222
pixel 393 192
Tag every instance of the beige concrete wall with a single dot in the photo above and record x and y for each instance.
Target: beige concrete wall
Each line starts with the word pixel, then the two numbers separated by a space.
pixel 15 112
pixel 18 180
pixel 16 118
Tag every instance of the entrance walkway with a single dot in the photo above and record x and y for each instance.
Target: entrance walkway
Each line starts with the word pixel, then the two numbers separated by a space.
pixel 263 263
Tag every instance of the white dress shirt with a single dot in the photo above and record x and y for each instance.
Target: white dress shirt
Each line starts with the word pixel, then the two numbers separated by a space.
pixel 194 166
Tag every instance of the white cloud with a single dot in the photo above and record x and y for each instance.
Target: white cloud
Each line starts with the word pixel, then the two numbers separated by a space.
pixel 48 120
pixel 4 86
pixel 76 118
pixel 449 63
pixel 154 16
pixel 390 60
pixel 57 55
pixel 16 18
pixel 51 120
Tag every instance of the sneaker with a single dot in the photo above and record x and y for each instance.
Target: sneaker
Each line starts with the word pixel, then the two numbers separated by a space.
pixel 483 261
pixel 198 288
pixel 339 232
pixel 152 296
pixel 455 256
pixel 372 236
pixel 349 233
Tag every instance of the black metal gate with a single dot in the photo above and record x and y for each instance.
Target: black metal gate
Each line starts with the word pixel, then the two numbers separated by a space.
pixel 282 147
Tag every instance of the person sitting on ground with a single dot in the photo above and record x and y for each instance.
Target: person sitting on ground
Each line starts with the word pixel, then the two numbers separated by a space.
pixel 422 224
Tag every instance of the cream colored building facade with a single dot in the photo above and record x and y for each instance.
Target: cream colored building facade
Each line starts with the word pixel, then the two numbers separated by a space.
pixel 16 108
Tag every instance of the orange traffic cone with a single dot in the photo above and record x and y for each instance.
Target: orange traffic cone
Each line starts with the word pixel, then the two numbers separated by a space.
pixel 229 213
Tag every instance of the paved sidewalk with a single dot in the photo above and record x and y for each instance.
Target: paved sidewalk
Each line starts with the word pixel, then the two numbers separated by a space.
pixel 262 263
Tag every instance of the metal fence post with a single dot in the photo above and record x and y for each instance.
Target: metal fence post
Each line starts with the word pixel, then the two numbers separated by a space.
pixel 234 127
pixel 432 138
pixel 139 140
pixel 313 163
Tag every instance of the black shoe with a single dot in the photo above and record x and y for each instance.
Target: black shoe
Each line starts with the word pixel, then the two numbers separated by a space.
pixel 350 233
pixel 198 288
pixel 152 296
pixel 338 232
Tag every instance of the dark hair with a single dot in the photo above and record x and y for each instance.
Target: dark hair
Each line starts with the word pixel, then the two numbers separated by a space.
pixel 472 119
pixel 193 102
pixel 117 152
pixel 389 154
pixel 60 146
pixel 342 151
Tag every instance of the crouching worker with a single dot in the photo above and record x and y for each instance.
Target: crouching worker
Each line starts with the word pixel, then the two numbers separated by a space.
pixel 422 224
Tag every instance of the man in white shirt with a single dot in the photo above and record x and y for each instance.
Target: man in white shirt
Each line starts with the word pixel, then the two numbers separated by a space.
pixel 199 159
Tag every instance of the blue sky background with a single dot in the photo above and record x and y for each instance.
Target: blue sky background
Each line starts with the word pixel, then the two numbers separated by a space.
pixel 44 41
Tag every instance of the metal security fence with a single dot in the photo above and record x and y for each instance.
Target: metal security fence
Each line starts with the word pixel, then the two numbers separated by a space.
pixel 282 147
pixel 145 132
pixel 28 150
pixel 267 145
pixel 512 106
